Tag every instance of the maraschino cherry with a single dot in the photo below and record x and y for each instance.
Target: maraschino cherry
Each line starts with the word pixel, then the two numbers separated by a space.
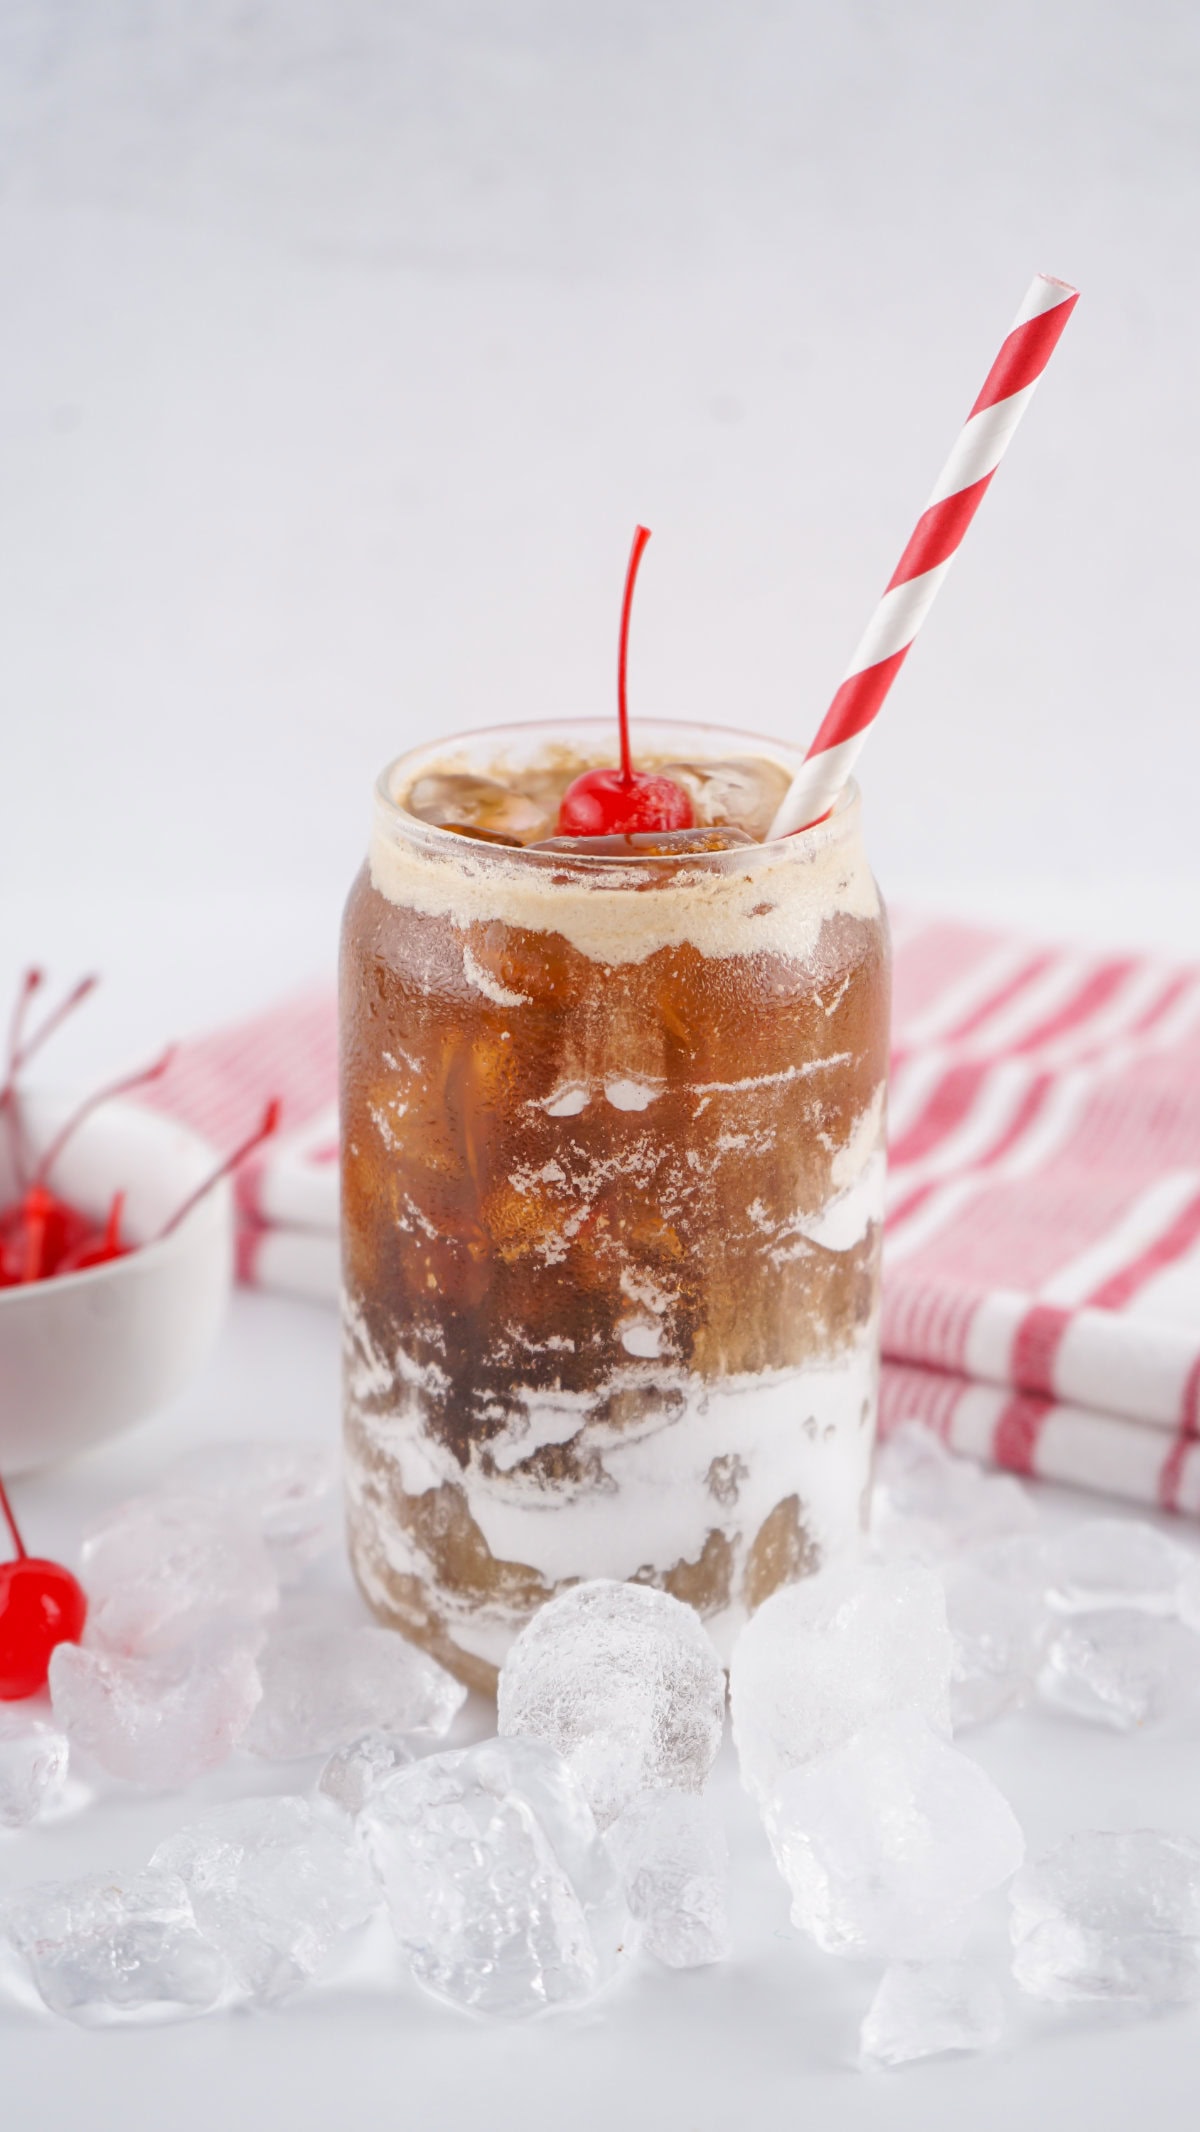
pixel 624 801
pixel 41 1606
pixel 42 1234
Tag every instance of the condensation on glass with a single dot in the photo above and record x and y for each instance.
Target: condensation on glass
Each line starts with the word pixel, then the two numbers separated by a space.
pixel 613 1160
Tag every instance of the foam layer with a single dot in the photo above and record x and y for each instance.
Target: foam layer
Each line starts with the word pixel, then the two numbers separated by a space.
pixel 769 897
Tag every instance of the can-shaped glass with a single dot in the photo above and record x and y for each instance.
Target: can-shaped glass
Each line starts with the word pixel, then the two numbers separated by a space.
pixel 612 1197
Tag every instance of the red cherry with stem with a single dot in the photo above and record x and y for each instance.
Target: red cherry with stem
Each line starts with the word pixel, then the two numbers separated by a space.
pixel 624 801
pixel 41 1233
pixel 41 1606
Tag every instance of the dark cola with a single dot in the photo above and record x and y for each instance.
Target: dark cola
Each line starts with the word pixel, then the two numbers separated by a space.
pixel 612 1192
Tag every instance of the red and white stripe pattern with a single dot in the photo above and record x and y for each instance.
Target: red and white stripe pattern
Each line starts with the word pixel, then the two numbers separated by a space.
pixel 922 569
pixel 1042 1260
pixel 1046 1439
pixel 286 1194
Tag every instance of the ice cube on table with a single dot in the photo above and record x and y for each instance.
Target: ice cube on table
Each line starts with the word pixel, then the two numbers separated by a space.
pixel 743 791
pixel 162 1569
pixel 33 1766
pixel 499 1887
pixel 1110 1914
pixel 324 1686
pixel 353 1772
pixel 625 1682
pixel 454 800
pixel 928 1504
pixel 1117 1667
pixel 155 1721
pixel 822 1657
pixel 889 1840
pixel 290 1492
pixel 273 1883
pixel 924 2009
pixel 997 1619
pixel 113 1947
pixel 1113 1562
pixel 670 1851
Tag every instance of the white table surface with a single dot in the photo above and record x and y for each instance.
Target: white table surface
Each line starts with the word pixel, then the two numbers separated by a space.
pixel 769 2035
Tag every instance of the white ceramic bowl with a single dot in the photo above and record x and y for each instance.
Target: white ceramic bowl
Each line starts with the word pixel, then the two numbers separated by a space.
pixel 85 1355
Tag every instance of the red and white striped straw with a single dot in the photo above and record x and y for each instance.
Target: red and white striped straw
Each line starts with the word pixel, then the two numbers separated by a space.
pixel 978 449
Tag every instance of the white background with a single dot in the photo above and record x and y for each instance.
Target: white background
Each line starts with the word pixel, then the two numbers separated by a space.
pixel 342 343
pixel 345 340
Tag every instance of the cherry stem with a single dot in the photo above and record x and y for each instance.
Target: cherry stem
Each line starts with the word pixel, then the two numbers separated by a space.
pixel 103 1095
pixel 21 1049
pixel 270 1124
pixel 640 537
pixel 8 1092
pixel 7 1509
pixel 30 983
pixel 53 1021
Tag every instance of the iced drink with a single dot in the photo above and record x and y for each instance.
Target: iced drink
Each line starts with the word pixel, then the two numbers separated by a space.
pixel 612 1188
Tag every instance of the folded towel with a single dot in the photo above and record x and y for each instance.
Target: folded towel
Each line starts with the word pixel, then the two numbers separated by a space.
pixel 1043 1215
pixel 1042 1261
pixel 286 1193
pixel 1045 1439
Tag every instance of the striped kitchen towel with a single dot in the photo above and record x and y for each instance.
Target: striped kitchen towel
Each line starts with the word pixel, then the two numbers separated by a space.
pixel 286 1193
pixel 1042 1262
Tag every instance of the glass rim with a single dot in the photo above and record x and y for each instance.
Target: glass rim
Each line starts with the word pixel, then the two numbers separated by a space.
pixel 558 732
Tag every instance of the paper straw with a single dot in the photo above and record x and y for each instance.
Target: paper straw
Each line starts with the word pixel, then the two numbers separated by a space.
pixel 978 449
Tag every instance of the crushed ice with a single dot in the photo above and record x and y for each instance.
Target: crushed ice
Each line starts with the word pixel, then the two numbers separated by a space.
pixel 524 1872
